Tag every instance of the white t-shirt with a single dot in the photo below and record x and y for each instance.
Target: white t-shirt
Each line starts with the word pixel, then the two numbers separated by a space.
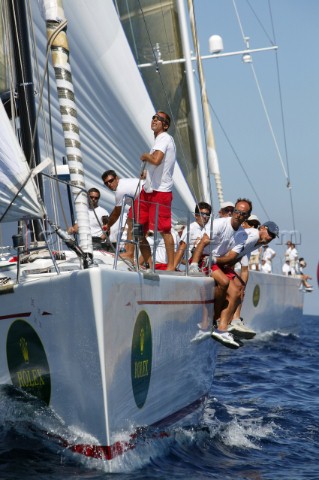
pixel 286 269
pixel 95 227
pixel 266 267
pixel 225 238
pixel 160 177
pixel 252 237
pixel 115 228
pixel 268 254
pixel 127 186
pixel 195 234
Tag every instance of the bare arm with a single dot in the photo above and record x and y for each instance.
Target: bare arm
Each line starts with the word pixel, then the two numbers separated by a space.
pixel 116 212
pixel 154 158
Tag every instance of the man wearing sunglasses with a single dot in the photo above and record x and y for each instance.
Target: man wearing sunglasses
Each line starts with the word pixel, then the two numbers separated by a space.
pixel 196 230
pixel 157 190
pixel 226 209
pixel 254 239
pixel 122 187
pixel 98 217
pixel 222 239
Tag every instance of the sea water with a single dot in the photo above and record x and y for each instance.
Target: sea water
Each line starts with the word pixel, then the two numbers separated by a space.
pixel 261 421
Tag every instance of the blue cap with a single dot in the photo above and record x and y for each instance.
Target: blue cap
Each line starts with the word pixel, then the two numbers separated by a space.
pixel 272 227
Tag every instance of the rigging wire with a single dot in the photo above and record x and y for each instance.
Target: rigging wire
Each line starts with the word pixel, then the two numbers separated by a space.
pixel 283 120
pixel 273 42
pixel 238 159
pixel 157 67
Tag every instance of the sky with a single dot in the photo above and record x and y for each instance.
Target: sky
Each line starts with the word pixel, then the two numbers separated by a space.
pixel 240 124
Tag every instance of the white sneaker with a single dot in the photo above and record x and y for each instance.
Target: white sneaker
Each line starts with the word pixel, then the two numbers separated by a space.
pixel 239 329
pixel 225 338
pixel 193 269
pixel 200 336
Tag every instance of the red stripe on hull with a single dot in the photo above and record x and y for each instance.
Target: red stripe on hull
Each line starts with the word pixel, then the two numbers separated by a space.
pixel 175 302
pixel 15 315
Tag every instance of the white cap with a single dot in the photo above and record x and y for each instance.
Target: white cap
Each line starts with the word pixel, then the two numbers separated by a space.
pixel 253 217
pixel 226 204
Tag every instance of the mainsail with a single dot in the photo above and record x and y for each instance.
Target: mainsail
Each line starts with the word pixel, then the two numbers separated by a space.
pixel 114 107
pixel 152 29
pixel 20 197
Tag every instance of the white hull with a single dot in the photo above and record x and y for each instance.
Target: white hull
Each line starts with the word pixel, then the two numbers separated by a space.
pixel 116 348
pixel 116 353
pixel 272 302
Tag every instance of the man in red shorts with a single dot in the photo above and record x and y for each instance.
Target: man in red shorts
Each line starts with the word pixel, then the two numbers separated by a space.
pixel 157 190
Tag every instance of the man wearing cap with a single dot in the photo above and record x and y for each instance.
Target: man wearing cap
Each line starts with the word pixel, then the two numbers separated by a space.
pixel 253 222
pixel 226 209
pixel 254 238
pixel 227 234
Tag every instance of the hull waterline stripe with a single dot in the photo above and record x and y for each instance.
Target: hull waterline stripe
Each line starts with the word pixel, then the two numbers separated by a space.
pixel 15 315
pixel 118 448
pixel 175 302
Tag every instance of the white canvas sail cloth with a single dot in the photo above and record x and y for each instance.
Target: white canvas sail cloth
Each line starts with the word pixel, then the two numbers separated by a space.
pixel 114 108
pixel 19 197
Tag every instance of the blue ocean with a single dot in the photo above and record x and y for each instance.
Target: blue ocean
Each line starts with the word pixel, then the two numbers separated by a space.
pixel 260 421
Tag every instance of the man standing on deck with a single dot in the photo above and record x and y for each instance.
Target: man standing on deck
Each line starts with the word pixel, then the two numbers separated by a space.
pixel 157 190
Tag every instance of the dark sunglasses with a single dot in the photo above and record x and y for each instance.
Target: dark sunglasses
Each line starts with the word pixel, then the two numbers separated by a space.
pixel 228 210
pixel 161 119
pixel 203 214
pixel 111 180
pixel 242 214
pixel 94 198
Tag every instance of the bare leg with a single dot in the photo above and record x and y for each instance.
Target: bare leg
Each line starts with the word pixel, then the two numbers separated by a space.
pixel 129 247
pixel 234 293
pixel 169 245
pixel 146 251
pixel 222 283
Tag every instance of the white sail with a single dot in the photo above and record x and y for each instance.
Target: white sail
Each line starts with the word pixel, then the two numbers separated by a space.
pixel 113 104
pixel 19 194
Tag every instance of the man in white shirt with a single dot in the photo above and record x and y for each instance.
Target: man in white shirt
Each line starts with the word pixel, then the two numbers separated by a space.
pixel 122 186
pixel 254 238
pixel 196 230
pixel 267 255
pixel 291 254
pixel 157 190
pixel 227 234
pixel 226 209
pixel 98 217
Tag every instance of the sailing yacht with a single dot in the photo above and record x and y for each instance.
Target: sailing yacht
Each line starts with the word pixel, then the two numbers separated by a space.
pixel 108 348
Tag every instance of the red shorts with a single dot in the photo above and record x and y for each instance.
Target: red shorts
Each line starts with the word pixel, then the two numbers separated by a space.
pixel 229 272
pixel 145 210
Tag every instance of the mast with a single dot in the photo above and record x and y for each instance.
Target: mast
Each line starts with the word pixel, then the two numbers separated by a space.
pixel 25 91
pixel 57 39
pixel 210 140
pixel 202 163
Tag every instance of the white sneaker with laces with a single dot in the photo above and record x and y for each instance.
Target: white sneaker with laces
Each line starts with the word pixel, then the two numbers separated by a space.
pixel 193 268
pixel 225 338
pixel 200 336
pixel 239 329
